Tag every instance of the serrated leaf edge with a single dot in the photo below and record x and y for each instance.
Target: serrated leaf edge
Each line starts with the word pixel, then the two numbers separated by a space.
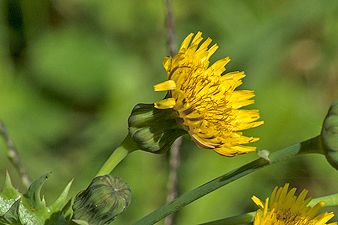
pixel 61 200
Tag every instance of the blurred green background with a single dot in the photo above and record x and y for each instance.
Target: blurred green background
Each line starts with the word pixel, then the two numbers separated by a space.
pixel 72 70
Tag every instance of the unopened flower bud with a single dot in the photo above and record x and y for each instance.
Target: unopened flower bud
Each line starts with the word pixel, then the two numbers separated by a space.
pixel 329 135
pixel 105 198
pixel 154 130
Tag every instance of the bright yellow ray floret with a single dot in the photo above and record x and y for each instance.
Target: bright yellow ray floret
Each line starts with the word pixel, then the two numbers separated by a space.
pixel 206 100
pixel 283 208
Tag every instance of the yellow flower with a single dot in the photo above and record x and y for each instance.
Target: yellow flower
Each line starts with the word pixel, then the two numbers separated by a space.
pixel 206 101
pixel 287 209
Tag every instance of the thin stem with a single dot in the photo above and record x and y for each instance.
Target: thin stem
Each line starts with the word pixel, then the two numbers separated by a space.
pixel 14 157
pixel 174 151
pixel 309 146
pixel 234 220
pixel 126 147
pixel 330 200
pixel 170 29
pixel 172 184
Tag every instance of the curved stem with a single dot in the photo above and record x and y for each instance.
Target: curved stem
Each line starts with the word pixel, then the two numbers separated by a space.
pixel 126 147
pixel 13 156
pixel 309 146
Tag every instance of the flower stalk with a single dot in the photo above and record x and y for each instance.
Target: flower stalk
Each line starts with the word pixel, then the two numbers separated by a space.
pixel 306 147
pixel 126 147
pixel 234 220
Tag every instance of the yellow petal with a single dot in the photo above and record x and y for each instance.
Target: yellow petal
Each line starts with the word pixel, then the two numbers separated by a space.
pixel 186 42
pixel 165 86
pixel 233 76
pixel 166 62
pixel 167 103
pixel 200 142
pixel 205 45
pixel 312 213
pixel 212 50
pixel 220 64
pixel 258 202
pixel 195 41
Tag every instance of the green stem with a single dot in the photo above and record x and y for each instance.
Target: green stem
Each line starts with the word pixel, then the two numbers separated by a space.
pixel 234 220
pixel 126 147
pixel 309 146
pixel 330 200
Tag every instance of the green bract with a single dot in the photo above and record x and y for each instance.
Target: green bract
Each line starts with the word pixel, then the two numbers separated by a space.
pixel 106 197
pixel 154 130
pixel 329 135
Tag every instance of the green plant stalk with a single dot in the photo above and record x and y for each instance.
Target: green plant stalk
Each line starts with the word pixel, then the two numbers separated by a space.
pixel 234 220
pixel 126 147
pixel 308 146
pixel 330 200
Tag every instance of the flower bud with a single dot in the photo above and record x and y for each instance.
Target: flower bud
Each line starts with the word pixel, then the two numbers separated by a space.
pixel 329 135
pixel 154 130
pixel 105 198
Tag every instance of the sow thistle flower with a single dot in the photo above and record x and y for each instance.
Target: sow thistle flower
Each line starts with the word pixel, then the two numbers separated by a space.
pixel 207 105
pixel 283 208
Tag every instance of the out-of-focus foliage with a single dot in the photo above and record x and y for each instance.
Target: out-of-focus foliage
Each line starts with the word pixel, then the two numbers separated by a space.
pixel 71 72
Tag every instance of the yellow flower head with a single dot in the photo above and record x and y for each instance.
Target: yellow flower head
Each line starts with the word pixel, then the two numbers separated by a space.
pixel 206 101
pixel 286 209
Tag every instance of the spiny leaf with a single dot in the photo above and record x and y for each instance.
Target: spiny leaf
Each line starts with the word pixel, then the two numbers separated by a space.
pixel 29 209
pixel 12 215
